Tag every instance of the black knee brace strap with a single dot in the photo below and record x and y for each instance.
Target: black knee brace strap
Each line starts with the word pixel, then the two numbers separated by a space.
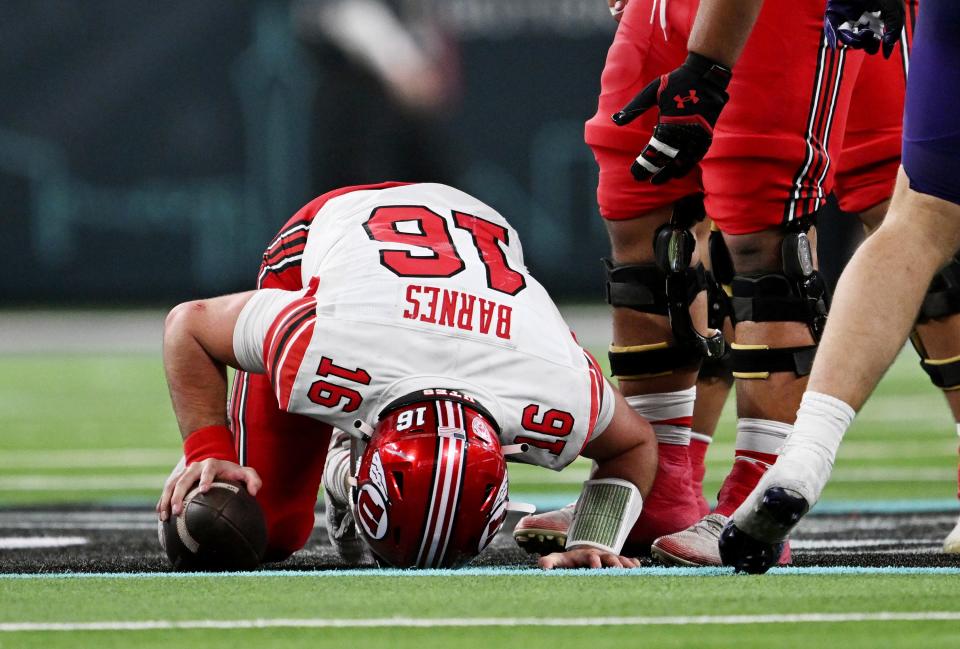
pixel 719 307
pixel 797 294
pixel 717 368
pixel 944 373
pixel 718 310
pixel 770 297
pixel 645 361
pixel 642 287
pixel 943 296
pixel 759 361
pixel 942 300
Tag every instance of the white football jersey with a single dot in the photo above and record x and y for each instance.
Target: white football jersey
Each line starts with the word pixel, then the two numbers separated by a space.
pixel 423 286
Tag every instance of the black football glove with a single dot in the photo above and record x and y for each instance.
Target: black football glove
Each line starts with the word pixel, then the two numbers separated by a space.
pixel 690 100
pixel 864 24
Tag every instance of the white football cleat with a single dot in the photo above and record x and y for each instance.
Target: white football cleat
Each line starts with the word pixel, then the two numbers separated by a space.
pixel 952 543
pixel 545 533
pixel 695 546
pixel 341 530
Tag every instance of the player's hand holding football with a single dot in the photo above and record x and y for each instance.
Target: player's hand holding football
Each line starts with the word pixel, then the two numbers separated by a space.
pixel 864 24
pixel 689 101
pixel 182 480
pixel 585 557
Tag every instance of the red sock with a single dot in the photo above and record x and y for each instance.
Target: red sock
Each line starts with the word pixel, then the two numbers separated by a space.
pixel 748 468
pixel 669 507
pixel 698 467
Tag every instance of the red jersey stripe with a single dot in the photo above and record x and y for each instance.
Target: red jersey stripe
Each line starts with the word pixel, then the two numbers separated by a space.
pixel 289 363
pixel 279 330
pixel 596 395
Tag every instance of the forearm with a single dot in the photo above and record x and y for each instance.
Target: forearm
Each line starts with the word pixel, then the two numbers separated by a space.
pixel 637 465
pixel 722 28
pixel 627 449
pixel 197 381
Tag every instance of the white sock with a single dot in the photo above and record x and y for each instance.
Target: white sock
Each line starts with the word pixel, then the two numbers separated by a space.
pixel 761 435
pixel 807 457
pixel 668 412
pixel 700 437
pixel 338 473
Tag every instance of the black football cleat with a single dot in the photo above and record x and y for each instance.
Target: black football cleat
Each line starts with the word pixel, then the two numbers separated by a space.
pixel 779 511
pixel 784 506
pixel 745 553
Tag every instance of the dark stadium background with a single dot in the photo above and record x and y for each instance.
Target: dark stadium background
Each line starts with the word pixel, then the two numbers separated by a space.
pixel 149 150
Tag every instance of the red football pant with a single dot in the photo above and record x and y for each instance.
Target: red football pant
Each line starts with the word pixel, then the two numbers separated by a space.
pixel 782 137
pixel 288 451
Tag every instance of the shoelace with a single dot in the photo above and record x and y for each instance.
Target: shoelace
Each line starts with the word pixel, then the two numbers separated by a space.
pixel 712 525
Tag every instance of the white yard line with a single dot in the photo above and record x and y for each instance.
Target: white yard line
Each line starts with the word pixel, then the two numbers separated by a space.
pixel 52 332
pixel 893 474
pixel 423 622
pixel 97 520
pixel 857 544
pixel 141 481
pixel 89 458
pixel 82 482
pixel 722 452
pixel 31 542
pixel 879 473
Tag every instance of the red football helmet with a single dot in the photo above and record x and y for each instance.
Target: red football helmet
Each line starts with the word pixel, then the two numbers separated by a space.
pixel 431 488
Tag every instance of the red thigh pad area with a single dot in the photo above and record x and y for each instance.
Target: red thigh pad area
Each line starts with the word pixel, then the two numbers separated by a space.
pixel 288 452
pixel 640 53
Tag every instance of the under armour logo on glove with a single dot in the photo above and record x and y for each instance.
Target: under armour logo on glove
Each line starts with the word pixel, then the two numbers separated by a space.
pixel 690 100
pixel 691 96
pixel 864 24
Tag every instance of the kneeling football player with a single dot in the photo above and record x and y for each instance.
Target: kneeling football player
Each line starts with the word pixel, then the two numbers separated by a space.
pixel 403 314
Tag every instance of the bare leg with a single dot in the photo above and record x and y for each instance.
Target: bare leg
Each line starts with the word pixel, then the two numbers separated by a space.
pixel 939 338
pixel 884 282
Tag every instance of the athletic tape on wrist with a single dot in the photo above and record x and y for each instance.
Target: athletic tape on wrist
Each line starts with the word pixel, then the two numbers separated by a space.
pixel 606 512
pixel 209 442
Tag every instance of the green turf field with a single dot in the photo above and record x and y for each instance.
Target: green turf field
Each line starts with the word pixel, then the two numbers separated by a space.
pixel 392 611
pixel 82 428
pixel 99 428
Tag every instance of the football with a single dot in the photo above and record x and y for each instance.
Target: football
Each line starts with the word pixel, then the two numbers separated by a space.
pixel 220 530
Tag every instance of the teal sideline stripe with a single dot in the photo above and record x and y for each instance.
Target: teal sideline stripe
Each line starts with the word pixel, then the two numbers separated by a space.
pixel 546 502
pixel 494 571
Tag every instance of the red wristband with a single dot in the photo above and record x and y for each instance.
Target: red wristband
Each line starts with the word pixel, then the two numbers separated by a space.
pixel 207 442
